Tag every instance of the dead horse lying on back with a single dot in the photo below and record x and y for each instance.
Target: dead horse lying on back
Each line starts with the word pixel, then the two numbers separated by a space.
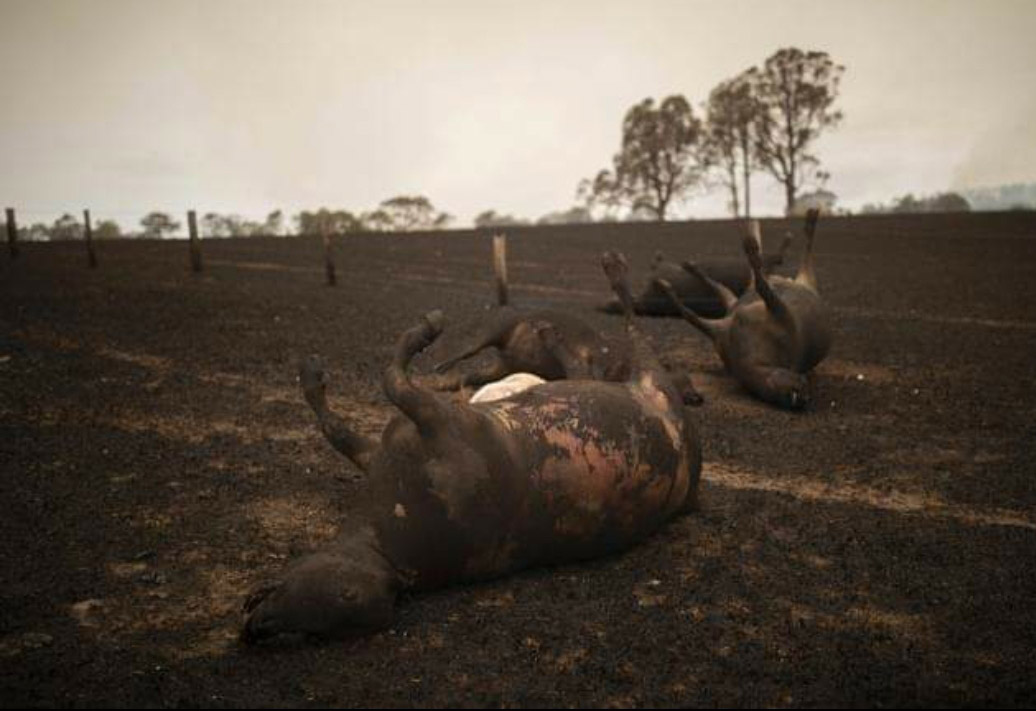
pixel 551 344
pixel 563 471
pixel 691 289
pixel 776 333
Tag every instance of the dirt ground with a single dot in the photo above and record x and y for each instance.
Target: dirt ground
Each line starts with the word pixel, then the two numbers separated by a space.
pixel 157 460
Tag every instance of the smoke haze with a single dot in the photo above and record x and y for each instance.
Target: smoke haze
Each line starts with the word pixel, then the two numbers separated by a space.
pixel 250 106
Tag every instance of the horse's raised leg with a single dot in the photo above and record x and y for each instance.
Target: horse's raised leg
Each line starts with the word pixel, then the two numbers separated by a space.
pixel 712 328
pixel 724 294
pixel 426 410
pixel 753 247
pixel 358 448
pixel 806 276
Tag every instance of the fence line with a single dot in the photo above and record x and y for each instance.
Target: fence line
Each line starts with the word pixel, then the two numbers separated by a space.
pixel 499 255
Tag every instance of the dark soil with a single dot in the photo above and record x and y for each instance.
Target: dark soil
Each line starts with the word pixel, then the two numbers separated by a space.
pixel 157 461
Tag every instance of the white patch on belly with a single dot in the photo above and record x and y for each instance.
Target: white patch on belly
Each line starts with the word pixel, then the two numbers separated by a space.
pixel 507 387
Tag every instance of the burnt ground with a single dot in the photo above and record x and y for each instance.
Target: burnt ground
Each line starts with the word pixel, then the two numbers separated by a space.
pixel 157 460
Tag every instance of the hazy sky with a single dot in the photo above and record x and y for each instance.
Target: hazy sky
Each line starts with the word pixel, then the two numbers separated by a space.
pixel 248 106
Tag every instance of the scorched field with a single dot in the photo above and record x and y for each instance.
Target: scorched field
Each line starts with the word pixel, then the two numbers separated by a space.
pixel 157 461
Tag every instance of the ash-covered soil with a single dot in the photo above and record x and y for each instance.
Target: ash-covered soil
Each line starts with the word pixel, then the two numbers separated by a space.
pixel 157 460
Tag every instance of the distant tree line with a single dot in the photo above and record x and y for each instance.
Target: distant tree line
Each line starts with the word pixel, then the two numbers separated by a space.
pixel 764 119
pixel 67 227
pixel 1015 196
pixel 404 213
pixel 573 215
pixel 70 227
pixel 940 202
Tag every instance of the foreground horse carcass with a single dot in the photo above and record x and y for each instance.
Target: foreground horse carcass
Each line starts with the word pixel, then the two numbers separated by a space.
pixel 563 471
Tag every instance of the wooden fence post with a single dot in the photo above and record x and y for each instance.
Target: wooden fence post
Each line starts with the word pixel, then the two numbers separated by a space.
pixel 500 267
pixel 12 233
pixel 329 262
pixel 88 232
pixel 195 243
